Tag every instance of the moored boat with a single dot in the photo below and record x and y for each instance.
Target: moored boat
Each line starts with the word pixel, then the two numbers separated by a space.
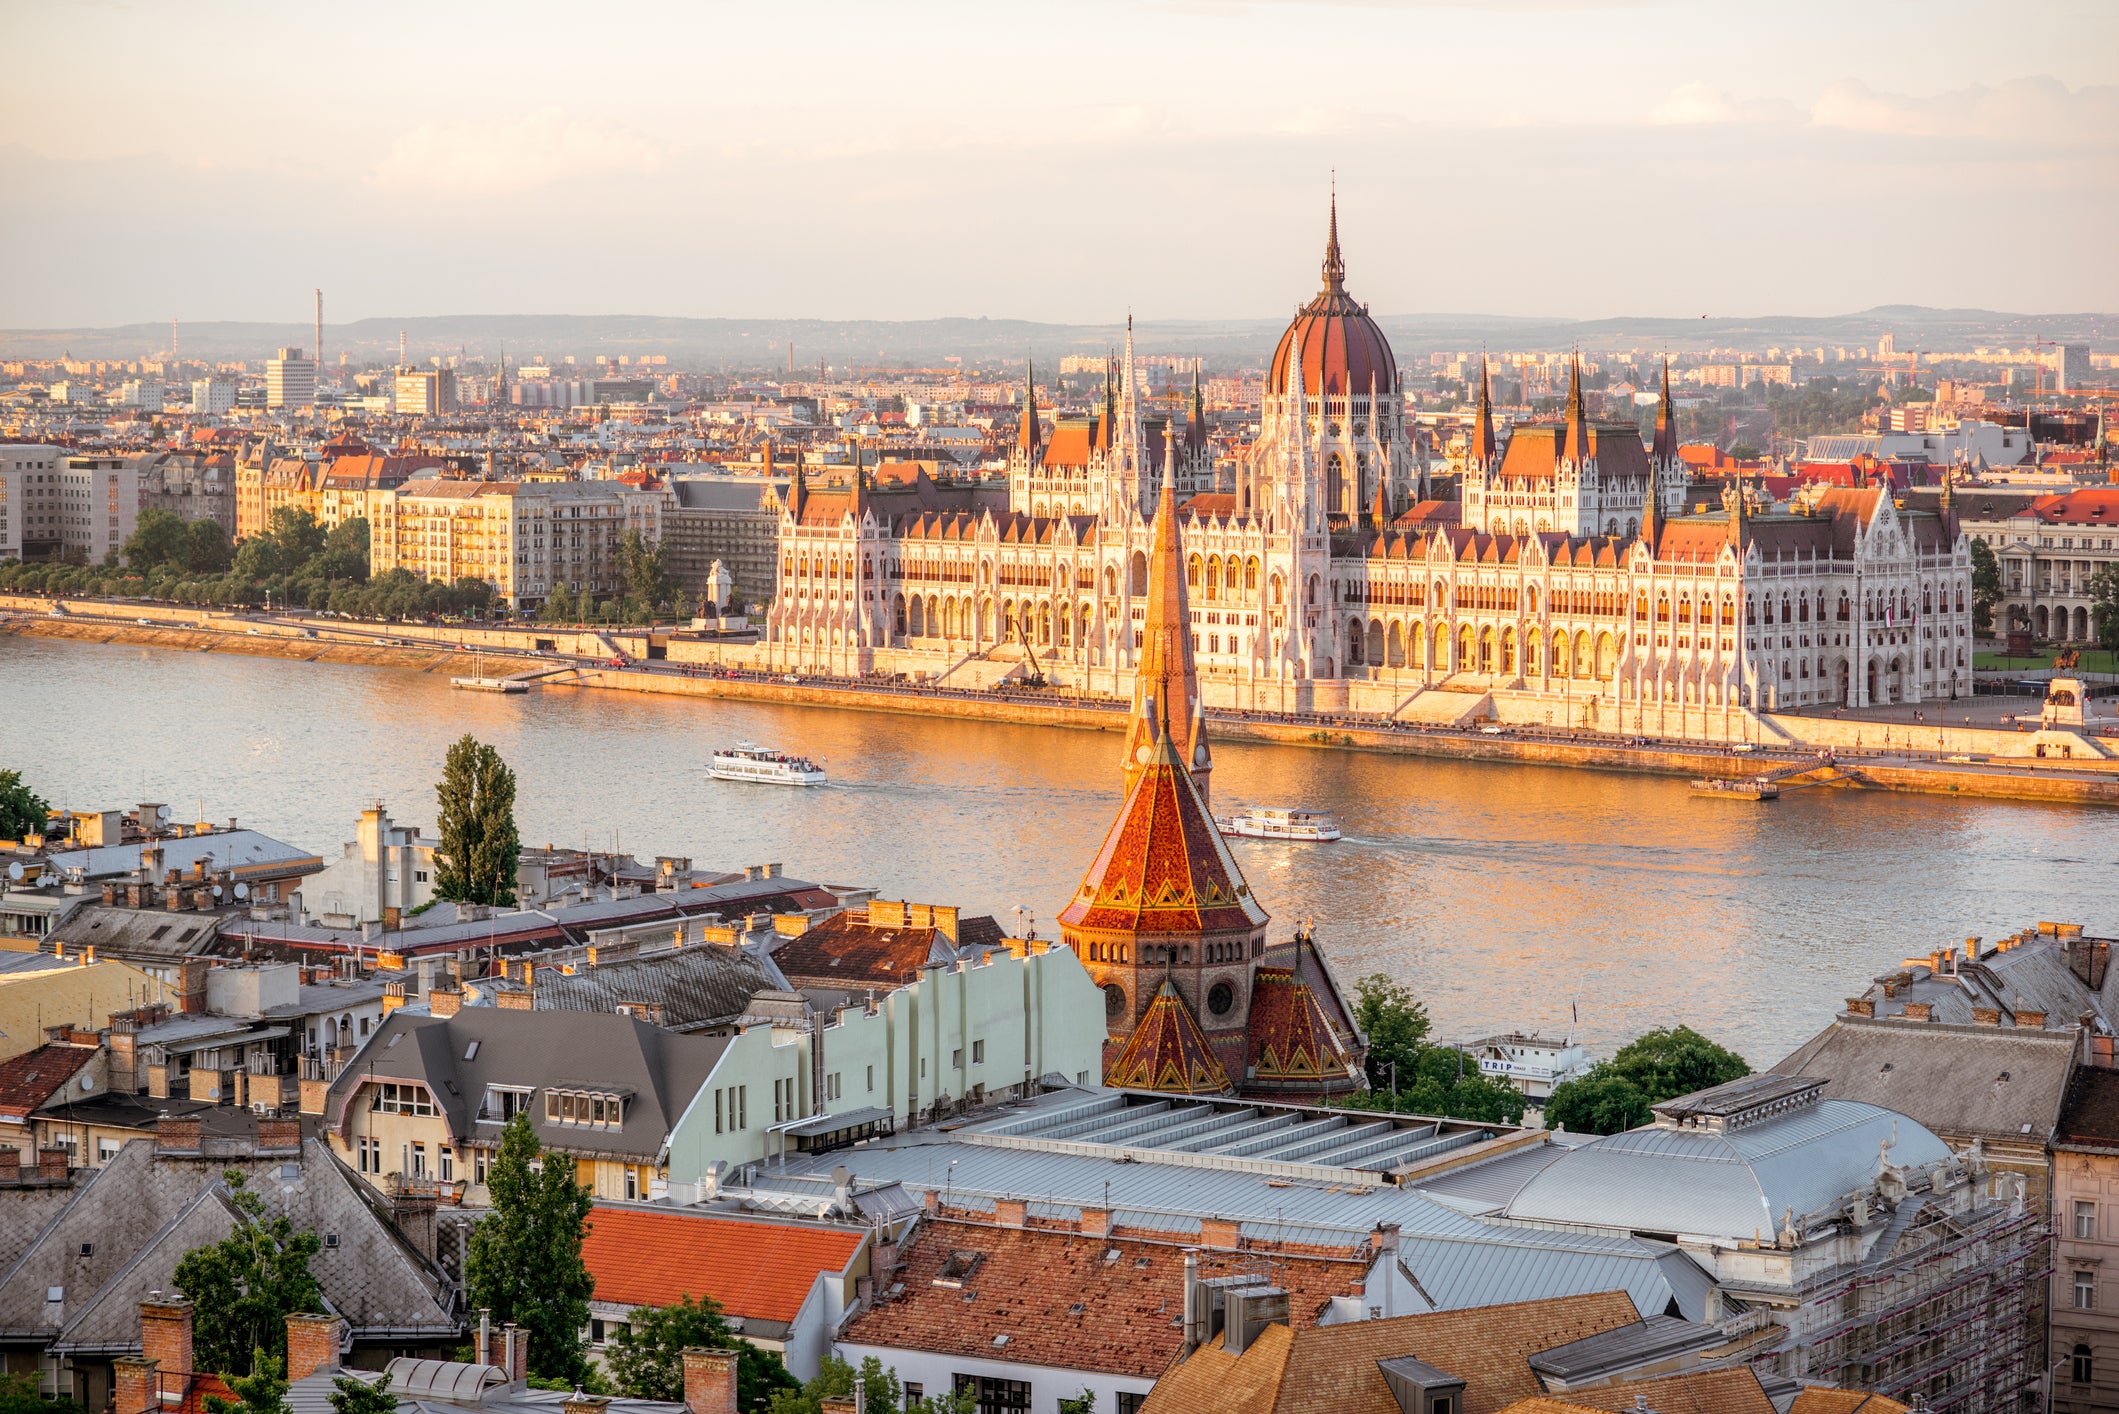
pixel 1745 788
pixel 1260 823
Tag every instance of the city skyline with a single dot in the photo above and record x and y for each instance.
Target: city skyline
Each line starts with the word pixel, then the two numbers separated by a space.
pixel 1066 165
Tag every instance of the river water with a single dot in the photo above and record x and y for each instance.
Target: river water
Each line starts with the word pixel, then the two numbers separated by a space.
pixel 1503 895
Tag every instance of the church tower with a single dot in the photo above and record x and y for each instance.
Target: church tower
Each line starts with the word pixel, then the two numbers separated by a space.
pixel 1166 701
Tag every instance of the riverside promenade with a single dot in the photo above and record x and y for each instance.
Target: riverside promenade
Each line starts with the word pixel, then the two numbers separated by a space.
pixel 1863 755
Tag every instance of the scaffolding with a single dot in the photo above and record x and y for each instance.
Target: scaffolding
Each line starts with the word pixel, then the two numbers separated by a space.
pixel 1948 1307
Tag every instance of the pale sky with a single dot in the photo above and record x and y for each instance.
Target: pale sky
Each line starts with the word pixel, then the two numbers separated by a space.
pixel 1062 161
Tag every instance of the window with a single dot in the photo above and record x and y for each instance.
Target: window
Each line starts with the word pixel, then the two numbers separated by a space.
pixel 503 1103
pixel 1130 1403
pixel 871 1078
pixel 2085 1219
pixel 978 1052
pixel 447 1158
pixel 419 1161
pixel 2085 1291
pixel 996 1395
pixel 2080 1366
pixel 956 1059
pixel 478 1167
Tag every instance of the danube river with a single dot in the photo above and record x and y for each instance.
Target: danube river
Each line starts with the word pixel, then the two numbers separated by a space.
pixel 1503 895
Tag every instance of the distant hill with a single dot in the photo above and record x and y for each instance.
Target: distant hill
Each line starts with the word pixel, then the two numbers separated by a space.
pixel 762 343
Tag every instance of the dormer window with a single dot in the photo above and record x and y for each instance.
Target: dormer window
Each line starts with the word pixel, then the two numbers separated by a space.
pixel 404 1099
pixel 503 1102
pixel 598 1108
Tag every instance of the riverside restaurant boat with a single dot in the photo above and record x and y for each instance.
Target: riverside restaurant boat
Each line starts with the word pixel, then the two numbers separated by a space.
pixel 1745 788
pixel 1258 823
pixel 747 761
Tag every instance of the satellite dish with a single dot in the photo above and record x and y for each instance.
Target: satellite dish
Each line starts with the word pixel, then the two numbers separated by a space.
pixel 242 891
pixel 216 890
pixel 88 1082
pixel 14 869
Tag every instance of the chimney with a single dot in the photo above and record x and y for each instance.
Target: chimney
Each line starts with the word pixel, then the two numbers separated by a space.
pixel 445 1001
pixel 51 1163
pixel 1986 1016
pixel 10 1164
pixel 2030 1019
pixel 1009 1212
pixel 1920 1011
pixel 312 1344
pixel 135 1389
pixel 482 1350
pixel 165 1332
pixel 191 984
pixel 1195 1316
pixel 177 1136
pixel 110 895
pixel 578 1403
pixel 1096 1222
pixel 710 1381
pixel 1860 1006
pixel 279 1136
pixel 515 1346
pixel 1218 1234
pixel 833 1404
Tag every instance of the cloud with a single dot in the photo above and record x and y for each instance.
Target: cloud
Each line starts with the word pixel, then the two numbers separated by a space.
pixel 1698 103
pixel 492 158
pixel 2040 113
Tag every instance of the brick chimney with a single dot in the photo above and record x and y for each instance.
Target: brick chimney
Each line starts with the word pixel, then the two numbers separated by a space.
pixel 165 1332
pixel 838 1404
pixel 1218 1234
pixel 176 1136
pixel 51 1163
pixel 1009 1212
pixel 10 1164
pixel 1920 1011
pixel 134 1388
pixel 515 1351
pixel 312 1345
pixel 279 1136
pixel 1096 1222
pixel 445 1001
pixel 191 983
pixel 584 1403
pixel 710 1381
pixel 1860 1006
pixel 1986 1016
pixel 2031 1019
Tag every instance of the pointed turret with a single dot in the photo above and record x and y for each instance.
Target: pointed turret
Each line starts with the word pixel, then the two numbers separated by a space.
pixel 798 492
pixel 1483 445
pixel 1196 427
pixel 1334 265
pixel 1029 437
pixel 1665 450
pixel 854 501
pixel 1165 686
pixel 1577 447
pixel 1739 517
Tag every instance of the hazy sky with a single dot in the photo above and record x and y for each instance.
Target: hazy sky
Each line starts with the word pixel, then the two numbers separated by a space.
pixel 1054 161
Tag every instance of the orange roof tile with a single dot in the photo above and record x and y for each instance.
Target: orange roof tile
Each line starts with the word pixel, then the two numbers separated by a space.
pixel 1167 1051
pixel 754 1269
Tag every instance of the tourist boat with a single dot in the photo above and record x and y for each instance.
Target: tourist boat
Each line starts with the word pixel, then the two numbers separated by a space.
pixel 746 761
pixel 488 684
pixel 1747 788
pixel 1262 824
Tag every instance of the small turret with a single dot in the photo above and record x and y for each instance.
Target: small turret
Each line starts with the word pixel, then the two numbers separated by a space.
pixel 1029 437
pixel 1577 448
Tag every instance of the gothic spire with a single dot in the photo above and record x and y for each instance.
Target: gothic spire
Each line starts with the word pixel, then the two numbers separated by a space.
pixel 1165 686
pixel 1334 266
pixel 853 500
pixel 1196 428
pixel 1739 517
pixel 1029 437
pixel 1577 448
pixel 1483 447
pixel 1666 424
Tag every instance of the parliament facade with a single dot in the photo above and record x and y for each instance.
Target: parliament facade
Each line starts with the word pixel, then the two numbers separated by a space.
pixel 1573 583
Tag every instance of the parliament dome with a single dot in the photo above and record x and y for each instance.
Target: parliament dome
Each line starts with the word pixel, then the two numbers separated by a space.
pixel 1333 341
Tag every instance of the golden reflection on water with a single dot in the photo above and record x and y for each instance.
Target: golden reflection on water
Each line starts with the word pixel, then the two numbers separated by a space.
pixel 1501 894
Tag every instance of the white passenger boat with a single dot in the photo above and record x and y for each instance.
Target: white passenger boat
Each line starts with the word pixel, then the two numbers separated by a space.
pixel 747 761
pixel 1263 824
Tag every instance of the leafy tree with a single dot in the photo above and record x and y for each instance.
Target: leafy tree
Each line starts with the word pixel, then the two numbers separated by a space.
pixel 263 1391
pixel 559 606
pixel 646 1356
pixel 525 1261
pixel 207 550
pixel 479 843
pixel 1084 1403
pixel 1396 1025
pixel 835 1379
pixel 19 1394
pixel 22 810
pixel 158 538
pixel 2104 601
pixel 351 1396
pixel 1986 585
pixel 1598 1103
pixel 645 575
pixel 1673 1061
pixel 247 1284
pixel 345 551
pixel 962 1400
pixel 299 533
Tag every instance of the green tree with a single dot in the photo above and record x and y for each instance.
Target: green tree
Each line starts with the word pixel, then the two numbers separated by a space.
pixel 1083 1403
pixel 645 1358
pixel 247 1284
pixel 524 1262
pixel 559 606
pixel 299 534
pixel 645 575
pixel 1396 1026
pixel 962 1400
pixel 1598 1103
pixel 835 1379
pixel 262 1391
pixel 1986 585
pixel 345 551
pixel 2104 605
pixel 351 1396
pixel 19 1394
pixel 479 843
pixel 1674 1061
pixel 207 550
pixel 22 810
pixel 158 538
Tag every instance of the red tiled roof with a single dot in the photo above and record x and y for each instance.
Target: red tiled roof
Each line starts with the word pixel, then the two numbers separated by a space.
pixel 1062 1302
pixel 1535 451
pixel 761 1270
pixel 1289 1038
pixel 28 1080
pixel 2093 505
pixel 1167 1051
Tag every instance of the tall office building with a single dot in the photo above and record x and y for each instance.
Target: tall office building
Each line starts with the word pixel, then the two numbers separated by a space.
pixel 210 397
pixel 290 380
pixel 423 392
pixel 2071 367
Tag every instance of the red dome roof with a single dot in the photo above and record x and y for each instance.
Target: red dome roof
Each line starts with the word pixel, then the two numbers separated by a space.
pixel 1339 348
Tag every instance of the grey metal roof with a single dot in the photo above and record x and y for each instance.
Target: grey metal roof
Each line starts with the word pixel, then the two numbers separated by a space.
pixel 451 1389
pixel 1736 1184
pixel 1956 1080
pixel 661 1070
pixel 146 933
pixel 142 1212
pixel 695 986
pixel 1487 1186
pixel 240 850
pixel 1658 1337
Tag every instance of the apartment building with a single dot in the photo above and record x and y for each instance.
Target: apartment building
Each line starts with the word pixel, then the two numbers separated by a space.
pixel 524 538
pixel 56 505
pixel 290 380
pixel 210 397
pixel 2049 547
pixel 424 392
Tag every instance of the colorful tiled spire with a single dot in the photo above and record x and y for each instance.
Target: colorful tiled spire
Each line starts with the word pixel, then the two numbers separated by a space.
pixel 1165 685
pixel 1169 1052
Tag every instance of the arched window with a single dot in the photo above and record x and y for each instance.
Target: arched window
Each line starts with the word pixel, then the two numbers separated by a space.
pixel 1250 573
pixel 1138 575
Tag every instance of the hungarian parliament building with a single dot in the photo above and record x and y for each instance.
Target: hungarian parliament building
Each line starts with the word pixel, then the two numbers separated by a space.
pixel 1576 581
